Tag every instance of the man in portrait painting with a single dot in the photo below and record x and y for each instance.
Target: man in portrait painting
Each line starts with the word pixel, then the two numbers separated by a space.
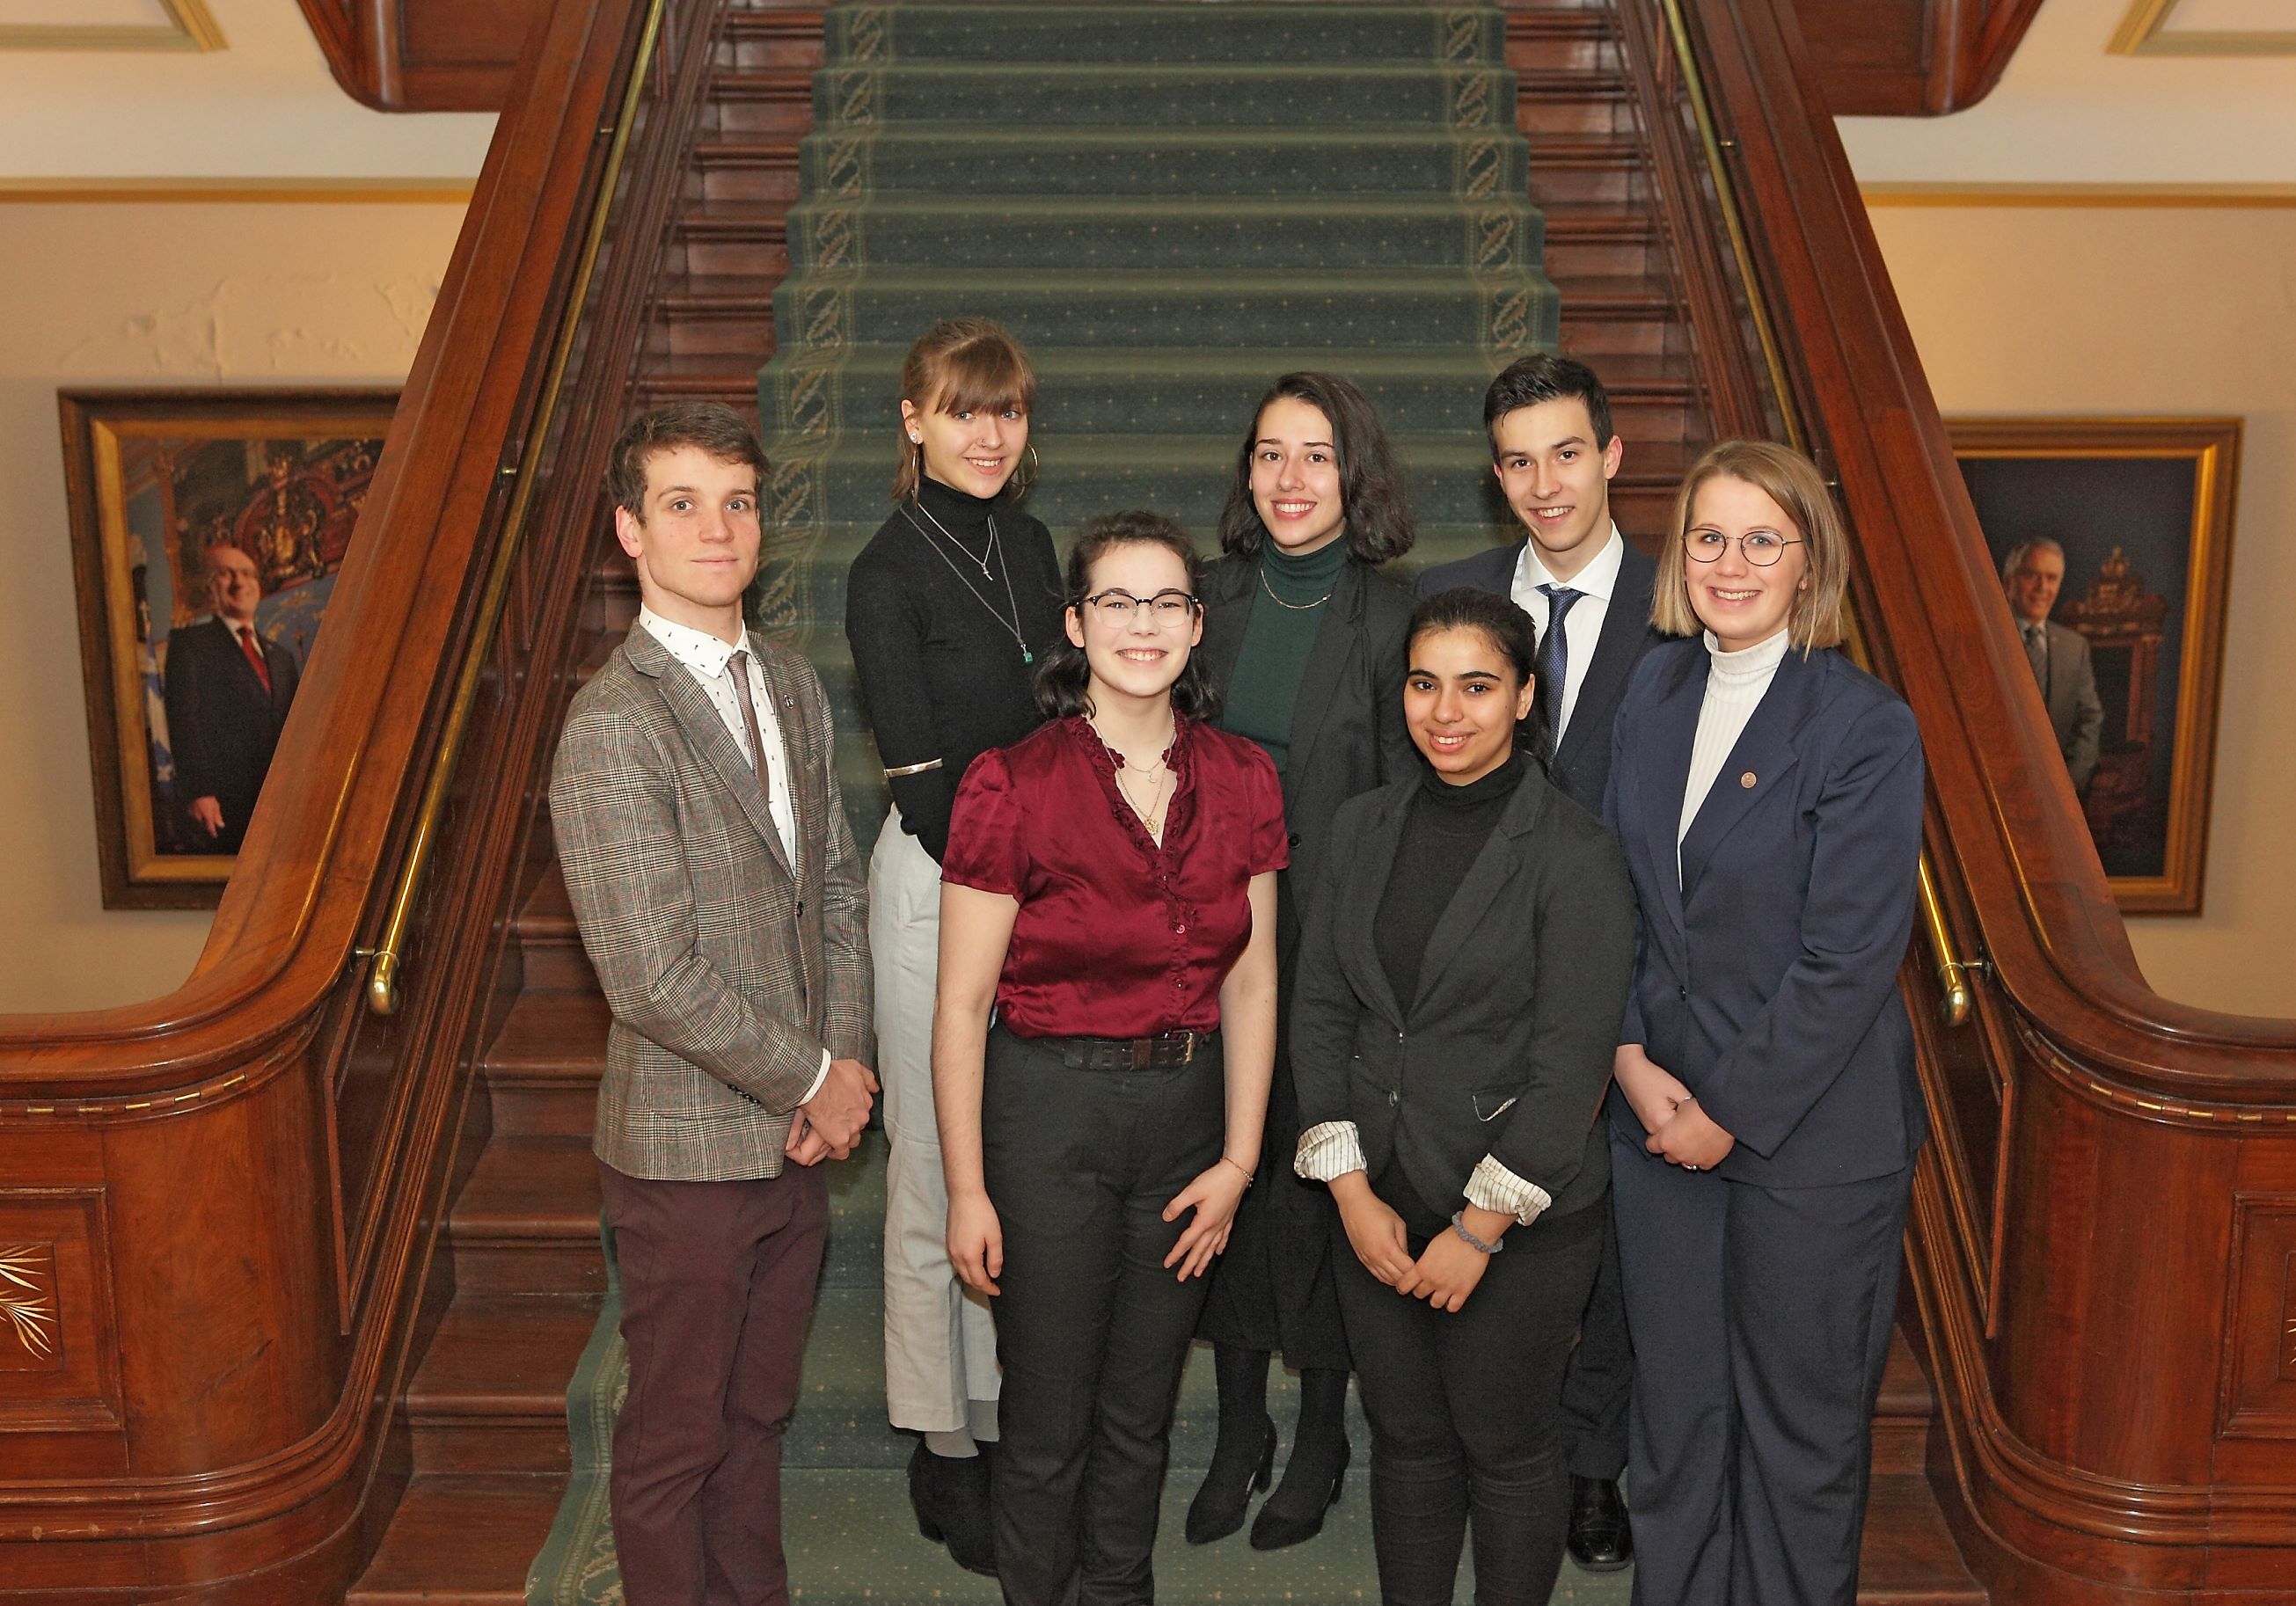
pixel 228 691
pixel 2031 575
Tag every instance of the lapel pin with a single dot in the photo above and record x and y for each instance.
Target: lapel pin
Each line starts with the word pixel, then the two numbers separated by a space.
pixel 1746 779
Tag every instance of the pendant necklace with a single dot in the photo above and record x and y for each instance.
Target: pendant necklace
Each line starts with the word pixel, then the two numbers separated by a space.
pixel 996 549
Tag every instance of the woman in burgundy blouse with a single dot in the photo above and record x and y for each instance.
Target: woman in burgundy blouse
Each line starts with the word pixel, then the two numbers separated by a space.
pixel 1109 888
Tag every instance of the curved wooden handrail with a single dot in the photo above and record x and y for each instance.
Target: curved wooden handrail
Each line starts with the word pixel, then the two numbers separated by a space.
pixel 2103 1216
pixel 232 1191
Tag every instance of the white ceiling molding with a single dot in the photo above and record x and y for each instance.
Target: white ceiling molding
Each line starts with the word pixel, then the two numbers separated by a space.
pixel 185 25
pixel 2151 28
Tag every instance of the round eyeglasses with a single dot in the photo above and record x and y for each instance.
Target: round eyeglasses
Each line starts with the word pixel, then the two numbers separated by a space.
pixel 1165 608
pixel 1762 548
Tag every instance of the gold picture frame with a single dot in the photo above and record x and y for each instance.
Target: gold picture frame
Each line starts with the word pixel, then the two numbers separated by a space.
pixel 158 482
pixel 2142 508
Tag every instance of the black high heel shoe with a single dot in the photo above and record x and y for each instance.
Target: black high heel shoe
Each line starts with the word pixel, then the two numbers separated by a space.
pixel 1276 1528
pixel 1219 1505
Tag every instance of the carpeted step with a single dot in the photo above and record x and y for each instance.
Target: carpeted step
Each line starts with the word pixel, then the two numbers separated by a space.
pixel 1154 391
pixel 1509 311
pixel 1117 235
pixel 841 1415
pixel 999 160
pixel 1168 35
pixel 1052 95
pixel 1185 477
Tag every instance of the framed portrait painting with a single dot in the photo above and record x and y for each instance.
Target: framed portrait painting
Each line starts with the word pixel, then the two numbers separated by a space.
pixel 207 526
pixel 2113 540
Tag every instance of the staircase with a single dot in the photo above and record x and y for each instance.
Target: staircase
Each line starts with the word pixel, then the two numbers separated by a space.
pixel 1335 185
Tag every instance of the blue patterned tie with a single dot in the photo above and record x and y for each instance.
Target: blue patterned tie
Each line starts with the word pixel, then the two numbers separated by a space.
pixel 1554 659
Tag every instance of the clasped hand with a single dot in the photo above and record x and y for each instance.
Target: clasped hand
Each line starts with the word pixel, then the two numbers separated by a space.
pixel 828 1124
pixel 1445 1272
pixel 1681 1132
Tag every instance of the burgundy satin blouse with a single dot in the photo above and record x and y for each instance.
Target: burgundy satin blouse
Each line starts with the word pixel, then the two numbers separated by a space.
pixel 1116 937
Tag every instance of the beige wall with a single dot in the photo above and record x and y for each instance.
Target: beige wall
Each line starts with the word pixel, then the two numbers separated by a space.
pixel 2134 310
pixel 173 294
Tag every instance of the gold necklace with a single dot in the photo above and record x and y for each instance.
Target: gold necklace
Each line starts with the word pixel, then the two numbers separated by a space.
pixel 1149 817
pixel 1294 607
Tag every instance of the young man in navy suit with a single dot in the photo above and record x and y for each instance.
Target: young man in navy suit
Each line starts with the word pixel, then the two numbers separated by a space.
pixel 1556 453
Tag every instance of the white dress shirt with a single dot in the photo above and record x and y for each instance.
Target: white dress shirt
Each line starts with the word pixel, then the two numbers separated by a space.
pixel 709 658
pixel 1331 1149
pixel 1736 682
pixel 1582 626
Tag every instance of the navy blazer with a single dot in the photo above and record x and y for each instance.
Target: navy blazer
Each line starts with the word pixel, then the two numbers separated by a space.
pixel 1582 766
pixel 1767 975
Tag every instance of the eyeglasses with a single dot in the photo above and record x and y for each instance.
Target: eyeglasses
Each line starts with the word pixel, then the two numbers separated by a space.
pixel 1761 547
pixel 1165 608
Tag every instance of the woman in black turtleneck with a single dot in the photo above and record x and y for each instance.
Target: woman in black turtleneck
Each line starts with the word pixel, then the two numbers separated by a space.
pixel 1303 637
pixel 948 609
pixel 1468 949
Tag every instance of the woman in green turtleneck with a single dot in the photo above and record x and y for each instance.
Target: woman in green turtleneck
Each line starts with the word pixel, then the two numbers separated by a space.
pixel 1305 639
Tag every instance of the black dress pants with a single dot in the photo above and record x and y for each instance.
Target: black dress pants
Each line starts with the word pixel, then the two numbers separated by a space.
pixel 1092 1331
pixel 1600 1382
pixel 1462 1412
pixel 1761 1320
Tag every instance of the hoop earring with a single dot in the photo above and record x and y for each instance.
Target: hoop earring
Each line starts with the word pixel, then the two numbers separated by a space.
pixel 1025 476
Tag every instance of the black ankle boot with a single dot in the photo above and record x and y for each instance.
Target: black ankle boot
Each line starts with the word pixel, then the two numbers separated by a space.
pixel 1239 1466
pixel 950 1497
pixel 1294 1514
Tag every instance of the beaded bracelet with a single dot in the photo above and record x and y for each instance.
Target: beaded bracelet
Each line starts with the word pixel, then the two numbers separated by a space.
pixel 1459 1226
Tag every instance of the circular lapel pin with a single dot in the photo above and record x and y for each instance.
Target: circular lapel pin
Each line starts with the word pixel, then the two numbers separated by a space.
pixel 1746 779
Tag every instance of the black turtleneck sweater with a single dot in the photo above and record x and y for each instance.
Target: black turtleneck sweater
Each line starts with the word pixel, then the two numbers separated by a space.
pixel 941 674
pixel 1447 828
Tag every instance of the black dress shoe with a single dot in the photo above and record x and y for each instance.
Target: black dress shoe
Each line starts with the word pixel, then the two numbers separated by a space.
pixel 1276 1528
pixel 950 1497
pixel 1218 1509
pixel 1601 1538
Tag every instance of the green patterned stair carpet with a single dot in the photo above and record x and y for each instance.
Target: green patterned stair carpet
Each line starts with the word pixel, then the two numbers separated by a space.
pixel 1169 204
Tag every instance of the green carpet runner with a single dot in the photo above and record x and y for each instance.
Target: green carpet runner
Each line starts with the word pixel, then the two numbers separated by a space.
pixel 1169 204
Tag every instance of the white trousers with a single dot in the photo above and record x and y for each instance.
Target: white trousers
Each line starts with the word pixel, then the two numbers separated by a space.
pixel 940 1343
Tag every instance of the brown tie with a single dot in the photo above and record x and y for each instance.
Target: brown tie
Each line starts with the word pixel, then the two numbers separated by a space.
pixel 2037 651
pixel 740 665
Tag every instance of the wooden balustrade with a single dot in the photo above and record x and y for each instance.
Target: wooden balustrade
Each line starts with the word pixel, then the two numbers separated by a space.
pixel 424 55
pixel 222 1202
pixel 2104 1222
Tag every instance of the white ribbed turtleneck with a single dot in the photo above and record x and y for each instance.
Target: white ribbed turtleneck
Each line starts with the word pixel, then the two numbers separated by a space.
pixel 1735 684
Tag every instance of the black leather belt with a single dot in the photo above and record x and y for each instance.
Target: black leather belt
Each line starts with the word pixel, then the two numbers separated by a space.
pixel 1132 1053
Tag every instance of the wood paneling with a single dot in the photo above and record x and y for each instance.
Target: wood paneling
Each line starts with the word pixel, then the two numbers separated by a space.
pixel 2104 1228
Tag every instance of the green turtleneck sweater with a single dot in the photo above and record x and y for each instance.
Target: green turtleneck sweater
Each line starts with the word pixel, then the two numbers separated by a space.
pixel 1274 656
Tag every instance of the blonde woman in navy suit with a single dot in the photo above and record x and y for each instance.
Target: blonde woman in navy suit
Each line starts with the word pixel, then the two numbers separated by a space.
pixel 1764 1115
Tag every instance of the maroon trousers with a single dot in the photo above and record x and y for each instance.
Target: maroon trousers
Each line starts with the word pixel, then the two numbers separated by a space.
pixel 717 1281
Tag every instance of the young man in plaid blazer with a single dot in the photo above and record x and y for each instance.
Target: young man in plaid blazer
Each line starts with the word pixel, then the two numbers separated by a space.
pixel 714 879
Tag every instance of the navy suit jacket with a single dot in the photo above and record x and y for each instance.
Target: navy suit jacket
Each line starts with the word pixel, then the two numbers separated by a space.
pixel 1767 974
pixel 1582 766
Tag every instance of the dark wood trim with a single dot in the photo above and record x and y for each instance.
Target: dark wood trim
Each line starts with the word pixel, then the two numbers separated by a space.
pixel 2102 1153
pixel 260 1334
pixel 1911 58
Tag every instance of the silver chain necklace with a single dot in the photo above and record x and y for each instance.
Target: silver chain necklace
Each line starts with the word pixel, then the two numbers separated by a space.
pixel 1010 618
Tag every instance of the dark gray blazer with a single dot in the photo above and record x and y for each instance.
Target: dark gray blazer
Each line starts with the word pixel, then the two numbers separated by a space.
pixel 1767 979
pixel 1507 1047
pixel 2076 714
pixel 1347 733
pixel 1582 768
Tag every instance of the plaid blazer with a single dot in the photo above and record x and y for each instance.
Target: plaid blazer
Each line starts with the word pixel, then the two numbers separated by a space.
pixel 726 976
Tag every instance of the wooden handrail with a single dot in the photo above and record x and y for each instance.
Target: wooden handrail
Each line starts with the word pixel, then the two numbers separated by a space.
pixel 2102 1213
pixel 232 1191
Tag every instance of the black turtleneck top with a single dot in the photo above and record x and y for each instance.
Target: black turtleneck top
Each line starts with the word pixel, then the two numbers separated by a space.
pixel 1447 828
pixel 942 675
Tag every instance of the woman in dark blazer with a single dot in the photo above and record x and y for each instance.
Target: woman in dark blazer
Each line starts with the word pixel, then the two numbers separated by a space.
pixel 1303 638
pixel 1469 944
pixel 1765 1117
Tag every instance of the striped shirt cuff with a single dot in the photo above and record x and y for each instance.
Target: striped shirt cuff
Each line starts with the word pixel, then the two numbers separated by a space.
pixel 1493 1187
pixel 1330 1149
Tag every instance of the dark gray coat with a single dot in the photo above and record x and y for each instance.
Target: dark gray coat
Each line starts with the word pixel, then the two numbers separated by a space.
pixel 1508 1048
